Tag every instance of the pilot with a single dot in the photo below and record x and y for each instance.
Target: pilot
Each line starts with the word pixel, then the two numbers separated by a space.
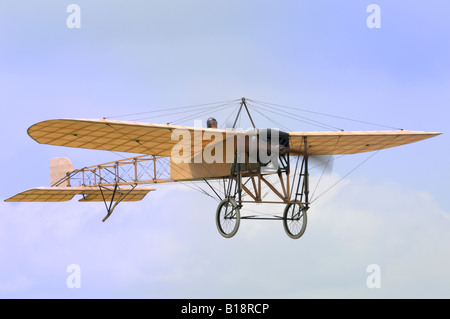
pixel 211 123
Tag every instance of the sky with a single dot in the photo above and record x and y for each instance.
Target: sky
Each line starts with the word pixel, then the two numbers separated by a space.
pixel 132 57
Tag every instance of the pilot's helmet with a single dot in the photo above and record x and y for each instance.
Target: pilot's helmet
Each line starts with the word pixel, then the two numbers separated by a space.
pixel 210 122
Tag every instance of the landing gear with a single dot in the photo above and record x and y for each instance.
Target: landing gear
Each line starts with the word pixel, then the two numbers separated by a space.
pixel 244 185
pixel 295 219
pixel 228 217
pixel 260 156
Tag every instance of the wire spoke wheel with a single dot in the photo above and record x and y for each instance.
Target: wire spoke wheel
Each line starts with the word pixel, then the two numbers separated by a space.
pixel 228 217
pixel 294 220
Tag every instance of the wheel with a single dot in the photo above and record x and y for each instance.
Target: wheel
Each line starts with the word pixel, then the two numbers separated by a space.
pixel 294 219
pixel 228 217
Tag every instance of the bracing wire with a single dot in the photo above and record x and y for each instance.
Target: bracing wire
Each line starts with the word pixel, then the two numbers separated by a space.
pixel 264 109
pixel 297 117
pixel 272 120
pixel 203 112
pixel 342 178
pixel 190 107
pixel 324 114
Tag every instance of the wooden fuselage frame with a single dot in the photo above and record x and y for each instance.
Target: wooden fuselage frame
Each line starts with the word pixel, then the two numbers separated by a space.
pixel 250 176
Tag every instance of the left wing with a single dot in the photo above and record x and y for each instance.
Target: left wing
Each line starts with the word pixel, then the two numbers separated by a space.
pixel 120 136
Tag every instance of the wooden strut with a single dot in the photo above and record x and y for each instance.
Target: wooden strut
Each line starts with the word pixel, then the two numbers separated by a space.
pixel 113 204
pixel 114 168
pixel 256 178
pixel 115 180
pixel 286 193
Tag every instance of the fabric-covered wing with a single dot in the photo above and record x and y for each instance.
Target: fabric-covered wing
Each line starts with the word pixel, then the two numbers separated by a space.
pixel 62 194
pixel 159 139
pixel 353 142
pixel 120 136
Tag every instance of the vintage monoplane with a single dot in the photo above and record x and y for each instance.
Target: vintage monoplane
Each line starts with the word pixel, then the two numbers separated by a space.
pixel 240 160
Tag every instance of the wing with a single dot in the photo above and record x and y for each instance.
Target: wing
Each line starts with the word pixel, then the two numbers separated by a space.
pixel 159 139
pixel 353 142
pixel 94 194
pixel 120 136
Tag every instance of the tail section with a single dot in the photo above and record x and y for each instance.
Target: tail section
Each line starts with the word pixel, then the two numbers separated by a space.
pixel 61 190
pixel 59 167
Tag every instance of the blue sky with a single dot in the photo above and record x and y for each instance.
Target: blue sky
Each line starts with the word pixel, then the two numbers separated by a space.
pixel 143 56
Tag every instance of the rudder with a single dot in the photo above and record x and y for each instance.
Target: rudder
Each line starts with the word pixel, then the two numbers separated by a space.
pixel 59 167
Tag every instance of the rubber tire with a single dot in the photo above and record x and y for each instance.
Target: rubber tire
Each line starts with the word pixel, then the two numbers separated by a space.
pixel 304 218
pixel 218 218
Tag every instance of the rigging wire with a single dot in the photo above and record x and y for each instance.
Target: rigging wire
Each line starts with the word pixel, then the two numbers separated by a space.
pixel 171 114
pixel 203 112
pixel 342 178
pixel 324 169
pixel 272 120
pixel 300 118
pixel 226 120
pixel 260 107
pixel 324 114
pixel 170 109
pixel 303 119
pixel 355 168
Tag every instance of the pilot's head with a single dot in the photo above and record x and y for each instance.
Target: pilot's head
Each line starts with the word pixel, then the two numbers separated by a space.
pixel 211 123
